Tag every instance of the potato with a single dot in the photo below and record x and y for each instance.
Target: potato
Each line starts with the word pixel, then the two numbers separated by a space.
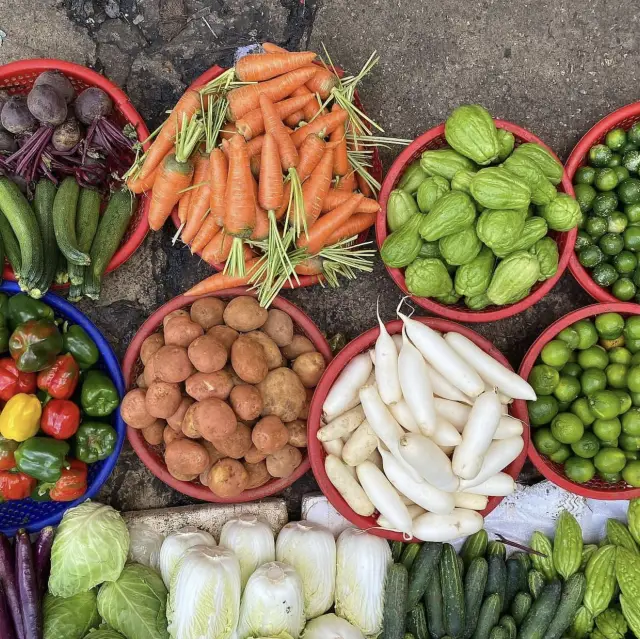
pixel 246 402
pixel 208 312
pixel 228 478
pixel 269 435
pixel 214 454
pixel 169 435
pixel 181 331
pixel 271 350
pixel 175 420
pixel 244 314
pixel 204 476
pixel 309 368
pixel 298 346
pixel 225 335
pixel 283 394
pixel 141 382
pixel 153 434
pixel 304 413
pixel 258 474
pixel 169 316
pixel 297 433
pixel 212 418
pixel 184 457
pixel 237 444
pixel 170 364
pixel 149 373
pixel 248 360
pixel 235 380
pixel 279 327
pixel 182 477
pixel 207 354
pixel 205 385
pixel 284 461
pixel 134 409
pixel 163 399
pixel 150 346
pixel 254 456
pixel 189 428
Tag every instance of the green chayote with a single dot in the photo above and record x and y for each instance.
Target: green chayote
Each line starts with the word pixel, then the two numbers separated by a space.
pixel 430 249
pixel 470 130
pixel 500 229
pixel 445 163
pixel 535 228
pixel 402 246
pixel 430 191
pixel 546 250
pixel 477 302
pixel 450 298
pixel 542 191
pixel 561 214
pixel 546 162
pixel 412 178
pixel 461 247
pixel 506 141
pixel 462 181
pixel 451 213
pixel 473 279
pixel 428 278
pixel 400 207
pixel 497 188
pixel 611 623
pixel 516 273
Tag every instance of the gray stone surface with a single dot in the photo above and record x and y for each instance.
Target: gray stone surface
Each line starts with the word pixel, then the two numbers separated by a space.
pixel 555 68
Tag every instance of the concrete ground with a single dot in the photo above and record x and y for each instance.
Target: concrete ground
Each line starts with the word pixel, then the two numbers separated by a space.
pixel 554 68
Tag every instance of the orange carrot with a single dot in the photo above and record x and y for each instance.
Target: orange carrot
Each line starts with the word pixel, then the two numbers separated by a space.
pixel 322 82
pixel 258 67
pixel 312 107
pixel 221 281
pixel 282 209
pixel 200 197
pixel 356 224
pixel 273 125
pixel 207 232
pixel 252 124
pixel 334 198
pixel 311 266
pixel 294 119
pixel 218 170
pixel 261 230
pixel 143 185
pixel 340 158
pixel 172 177
pixel 254 146
pixel 183 206
pixel 270 187
pixel 326 123
pixel 347 183
pixel 315 189
pixel 311 151
pixel 254 163
pixel 247 97
pixel 270 47
pixel 217 250
pixel 363 186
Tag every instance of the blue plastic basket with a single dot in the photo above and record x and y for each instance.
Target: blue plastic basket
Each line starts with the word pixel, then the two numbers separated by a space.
pixel 33 515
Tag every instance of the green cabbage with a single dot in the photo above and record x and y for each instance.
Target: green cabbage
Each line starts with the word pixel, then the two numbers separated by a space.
pixel 70 618
pixel 104 633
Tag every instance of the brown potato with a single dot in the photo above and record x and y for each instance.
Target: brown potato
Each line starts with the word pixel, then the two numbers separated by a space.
pixel 228 478
pixel 304 413
pixel 141 382
pixel 153 434
pixel 208 312
pixel 205 385
pixel 299 345
pixel 244 314
pixel 271 350
pixel 283 394
pixel 237 444
pixel 149 373
pixel 134 409
pixel 212 418
pixel 169 316
pixel 246 402
pixel 182 477
pixel 169 435
pixel 162 399
pixel 214 454
pixel 207 354
pixel 279 327
pixel 309 368
pixel 184 457
pixel 225 335
pixel 297 433
pixel 175 421
pixel 248 360
pixel 189 426
pixel 235 380
pixel 254 456
pixel 204 476
pixel 150 346
pixel 170 364
pixel 269 435
pixel 284 461
pixel 258 474
pixel 181 331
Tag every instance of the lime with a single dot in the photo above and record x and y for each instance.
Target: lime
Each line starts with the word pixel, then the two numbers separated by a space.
pixel 632 211
pixel 609 443
pixel 615 162
pixel 623 289
pixel 604 204
pixel 604 275
pixel 631 454
pixel 545 442
pixel 610 460
pixel 635 399
pixel 608 344
pixel 632 326
pixel 611 243
pixel 593 357
pixel 632 344
pixel 604 404
pixel 542 410
pixel 583 239
pixel 543 379
pixel 587 334
pixel 633 379
pixel 585 194
pixel 610 478
pixel 555 353
pixel 580 408
pixel 596 227
pixel 567 428
pixel 590 256
pixel 609 325
pixel 572 369
pixel 629 442
pixel 620 355
pixel 592 380
pixel 625 400
pixel 616 375
pixel 617 223
pixel 621 171
pixel 631 422
pixel 631 159
pixel 628 191
pixel 599 155
pixel 632 238
pixel 587 447
pixel 616 139
pixel 561 455
pixel 606 430
pixel 568 388
pixel 569 336
pixel 579 470
pixel 629 146
pixel 606 180
pixel 633 134
pixel 631 473
pixel 585 175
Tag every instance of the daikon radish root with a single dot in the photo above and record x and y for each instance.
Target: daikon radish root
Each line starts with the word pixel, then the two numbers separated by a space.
pixel 426 458
pixel 470 501
pixel 345 389
pixel 460 523
pixel 376 458
pixel 447 450
pixel 343 425
pixel 348 486
pixel 386 366
pixel 362 443
pixel 397 340
pixel 444 388
pixel 334 447
pixel 403 415
pixel 446 435
pixel 454 412
pixel 508 427
pixel 414 511
pixel 498 456
pixel 500 485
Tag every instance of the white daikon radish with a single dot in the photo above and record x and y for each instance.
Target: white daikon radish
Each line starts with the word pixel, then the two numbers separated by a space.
pixel 372 355
pixel 454 412
pixel 504 399
pixel 405 500
pixel 499 485
pixel 506 381
pixel 477 435
pixel 397 340
pixel 419 492
pixel 444 388
pixel 443 358
pixel 416 387
pixel 348 486
pixel 384 496
pixel 334 447
pixel 426 458
pixel 508 427
pixel 498 456
pixel 345 389
pixel 386 366
pixel 446 434
pixel 376 458
pixel 414 511
pixel 460 523
pixel 403 415
pixel 360 445
pixel 505 409
pixel 343 425
pixel 447 450
pixel 471 501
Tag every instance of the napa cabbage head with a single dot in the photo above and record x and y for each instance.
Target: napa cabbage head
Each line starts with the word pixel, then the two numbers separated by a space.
pixel 175 545
pixel 145 544
pixel 331 627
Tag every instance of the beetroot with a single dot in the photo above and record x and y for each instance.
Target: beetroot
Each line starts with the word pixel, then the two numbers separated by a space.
pixel 16 117
pixel 59 82
pixel 47 105
pixel 67 135
pixel 92 104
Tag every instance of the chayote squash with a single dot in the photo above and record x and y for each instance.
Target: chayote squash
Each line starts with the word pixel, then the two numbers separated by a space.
pixel 506 141
pixel 429 249
pixel 535 228
pixel 518 295
pixel 477 302
pixel 462 180
pixel 542 191
pixel 611 623
pixel 461 247
pixel 450 298
pixel 500 229
pixel 430 191
pixel 582 624
pixel 562 214
pixel 546 250
pixel 497 188
pixel 472 279
pixel 400 207
pixel 402 246
pixel 516 273
pixel 471 131
pixel 445 163
pixel 550 167
pixel 450 214
pixel 413 176
pixel 428 278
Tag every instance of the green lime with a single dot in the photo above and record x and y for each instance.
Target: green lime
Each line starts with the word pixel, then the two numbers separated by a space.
pixel 563 406
pixel 606 429
pixel 610 443
pixel 635 359
pixel 593 357
pixel 545 442
pixel 632 327
pixel 555 353
pixel 628 191
pixel 632 211
pixel 567 428
pixel 620 355
pixel 611 243
pixel 561 455
pixel 632 238
pixel 590 256
pixel 610 478
pixel 580 408
pixel 587 334
pixel 609 325
pixel 621 171
pixel 631 160
pixel 587 446
pixel 568 389
pixel 572 369
pixel 616 375
pixel 596 227
pixel 542 410
pixel 605 203
pixel 610 460
pixel 579 470
pixel 631 455
pixel 569 336
pixel 608 344
pixel 625 400
pixel 606 179
pixel 635 399
pixel 586 194
pixel 583 239
pixel 604 275
pixel 584 175
pixel 543 379
pixel 629 442
pixel 617 222
pixel 623 289
pixel 625 262
pixel 599 155
pixel 633 134
pixel 616 139
pixel 631 473
pixel 631 422
pixel 592 380
pixel 629 146
pixel 633 379
pixel 632 344
pixel 604 404
pixel 615 162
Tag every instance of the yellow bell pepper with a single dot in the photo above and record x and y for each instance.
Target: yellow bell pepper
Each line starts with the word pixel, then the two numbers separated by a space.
pixel 20 418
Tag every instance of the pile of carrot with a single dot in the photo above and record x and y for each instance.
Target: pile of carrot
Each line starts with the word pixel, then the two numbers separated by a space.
pixel 274 172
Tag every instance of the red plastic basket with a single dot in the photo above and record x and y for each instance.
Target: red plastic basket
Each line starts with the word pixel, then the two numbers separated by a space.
pixel 623 117
pixel 596 488
pixel 376 171
pixel 18 78
pixel 362 343
pixel 151 456
pixel 434 139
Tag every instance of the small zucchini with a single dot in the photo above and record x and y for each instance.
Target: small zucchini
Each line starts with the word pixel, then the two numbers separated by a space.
pixel 497 578
pixel 496 548
pixel 516 579
pixel 87 218
pixel 417 622
pixel 44 197
pixel 498 632
pixel 64 222
pixel 11 246
pixel 474 584
pixel 474 546
pixel 396 551
pixel 570 600
pixel 520 607
pixel 507 622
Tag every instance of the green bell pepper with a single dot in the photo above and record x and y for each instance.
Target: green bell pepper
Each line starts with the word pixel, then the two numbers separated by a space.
pixel 42 458
pixel 99 397
pixel 34 345
pixel 81 346
pixel 21 308
pixel 95 441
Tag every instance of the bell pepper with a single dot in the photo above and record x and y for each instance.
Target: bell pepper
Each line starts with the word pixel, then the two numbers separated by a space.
pixel 20 417
pixel 42 458
pixel 99 397
pixel 35 344
pixel 72 483
pixel 21 308
pixel 13 381
pixel 95 441
pixel 60 379
pixel 15 485
pixel 7 450
pixel 81 346
pixel 60 419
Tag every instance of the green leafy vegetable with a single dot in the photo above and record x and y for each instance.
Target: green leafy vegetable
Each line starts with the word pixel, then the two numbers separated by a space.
pixel 70 618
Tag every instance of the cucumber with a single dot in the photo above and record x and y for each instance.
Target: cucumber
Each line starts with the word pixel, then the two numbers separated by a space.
pixel 541 613
pixel 516 579
pixel 422 570
pixel 570 600
pixel 64 222
pixel 87 218
pixel 43 207
pixel 522 557
pixel 434 606
pixel 417 621
pixel 496 578
pixel 535 580
pixel 507 622
pixel 498 632
pixel 396 550
pixel 409 554
pixel 489 616
pixel 395 601
pixel 474 584
pixel 520 607
pixel 474 546
pixel 452 592
pixel 11 246
pixel 497 548
pixel 460 565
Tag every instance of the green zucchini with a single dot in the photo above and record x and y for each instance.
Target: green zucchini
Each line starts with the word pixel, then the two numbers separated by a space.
pixel 64 222
pixel 417 621
pixel 452 592
pixel 434 606
pixel 516 579
pixel 43 199
pixel 498 632
pixel 542 612
pixel 520 607
pixel 409 554
pixel 507 622
pixel 489 616
pixel 62 271
pixel 11 246
pixel 496 578
pixel 570 600
pixel 535 580
pixel 422 570
pixel 396 551
pixel 75 290
pixel 474 584
pixel 496 548
pixel 395 601
pixel 474 546
pixel 87 218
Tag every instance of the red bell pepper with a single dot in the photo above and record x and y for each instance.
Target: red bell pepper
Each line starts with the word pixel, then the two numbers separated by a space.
pixel 7 458
pixel 61 378
pixel 60 418
pixel 13 381
pixel 72 484
pixel 15 485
